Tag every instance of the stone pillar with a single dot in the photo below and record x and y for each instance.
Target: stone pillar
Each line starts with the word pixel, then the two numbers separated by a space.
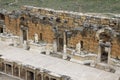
pixel 109 52
pixel 99 52
pixel 24 45
pixel 21 38
pixel 55 46
pixel 19 72
pixel 42 76
pixel 4 29
pixel 34 76
pixel 5 68
pixel 25 74
pixel 47 49
pixel 64 46
pixel 12 69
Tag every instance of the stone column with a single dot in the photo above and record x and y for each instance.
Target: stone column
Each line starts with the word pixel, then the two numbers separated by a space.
pixel 47 49
pixel 34 75
pixel 55 46
pixel 99 52
pixel 25 74
pixel 21 37
pixel 109 52
pixel 5 67
pixel 42 75
pixel 64 46
pixel 4 29
pixel 19 72
pixel 12 69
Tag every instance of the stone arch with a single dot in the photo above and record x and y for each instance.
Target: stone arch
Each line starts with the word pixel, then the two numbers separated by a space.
pixel 39 77
pixel 104 36
pixel 22 21
pixel 22 18
pixel 46 78
pixel 107 30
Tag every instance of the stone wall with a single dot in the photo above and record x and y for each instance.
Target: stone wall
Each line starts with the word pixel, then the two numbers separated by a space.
pixel 28 72
pixel 49 23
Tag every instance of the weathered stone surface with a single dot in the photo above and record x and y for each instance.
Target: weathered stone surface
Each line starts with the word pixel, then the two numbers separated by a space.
pixel 44 22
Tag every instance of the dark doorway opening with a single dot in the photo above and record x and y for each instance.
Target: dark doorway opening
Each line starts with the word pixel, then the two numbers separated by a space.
pixel 2 17
pixel 39 77
pixel 30 75
pixel 8 69
pixel 46 78
pixel 104 57
pixel 16 72
pixel 24 35
pixel 60 44
pixel 81 42
pixel 1 30
pixel 52 79
pixel 41 37
pixel 22 73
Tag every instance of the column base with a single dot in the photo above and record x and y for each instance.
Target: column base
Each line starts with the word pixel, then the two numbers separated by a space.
pixel 64 56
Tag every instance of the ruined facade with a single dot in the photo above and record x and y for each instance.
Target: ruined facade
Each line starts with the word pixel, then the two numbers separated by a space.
pixel 76 35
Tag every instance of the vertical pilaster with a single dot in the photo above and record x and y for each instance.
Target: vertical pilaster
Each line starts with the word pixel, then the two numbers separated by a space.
pixel 34 75
pixel 21 37
pixel 109 53
pixel 42 76
pixel 5 68
pixel 64 46
pixel 99 52
pixel 25 74
pixel 12 69
pixel 78 47
pixel 19 71
pixel 4 28
pixel 55 46
pixel 47 49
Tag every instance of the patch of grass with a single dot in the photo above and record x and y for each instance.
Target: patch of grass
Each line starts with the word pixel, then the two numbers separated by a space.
pixel 94 6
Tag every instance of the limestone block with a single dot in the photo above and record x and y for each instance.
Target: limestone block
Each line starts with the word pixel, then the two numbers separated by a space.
pixel 104 21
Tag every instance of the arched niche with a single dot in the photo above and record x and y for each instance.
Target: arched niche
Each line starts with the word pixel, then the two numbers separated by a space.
pixel 104 36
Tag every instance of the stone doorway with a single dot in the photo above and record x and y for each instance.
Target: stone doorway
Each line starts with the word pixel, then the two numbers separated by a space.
pixel 2 17
pixel 52 79
pixel 1 30
pixel 24 35
pixel 104 55
pixel 41 36
pixel 16 71
pixel 39 77
pixel 46 78
pixel 60 44
pixel 30 75
pixel 8 69
pixel 104 37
